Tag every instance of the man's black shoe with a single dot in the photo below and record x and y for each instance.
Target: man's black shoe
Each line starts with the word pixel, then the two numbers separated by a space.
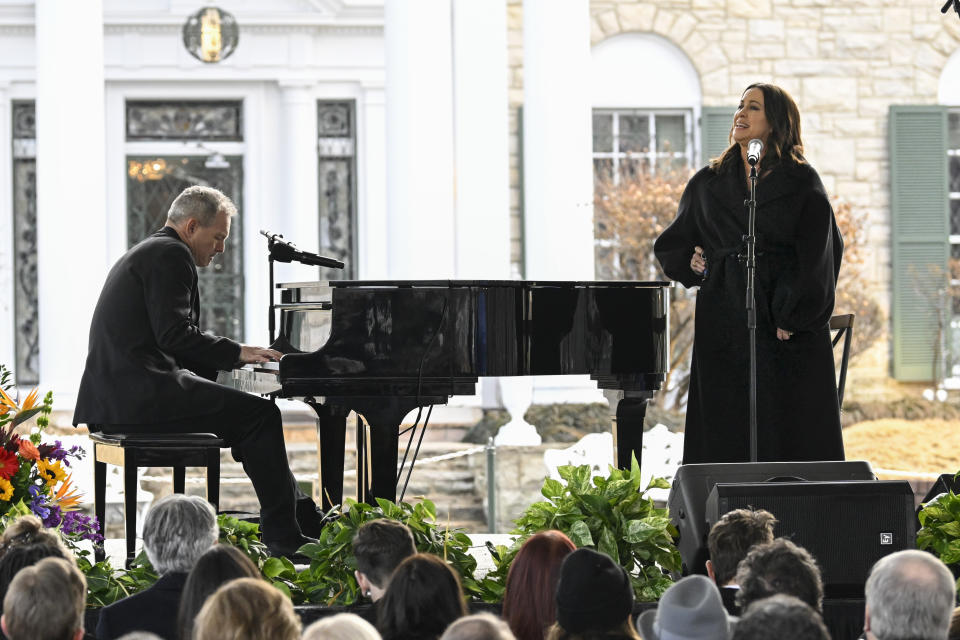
pixel 311 519
pixel 288 548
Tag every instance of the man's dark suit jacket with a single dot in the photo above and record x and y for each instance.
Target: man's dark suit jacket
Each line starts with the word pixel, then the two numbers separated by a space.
pixel 154 609
pixel 145 341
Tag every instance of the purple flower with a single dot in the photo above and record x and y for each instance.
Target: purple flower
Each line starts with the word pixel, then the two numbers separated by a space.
pixel 75 523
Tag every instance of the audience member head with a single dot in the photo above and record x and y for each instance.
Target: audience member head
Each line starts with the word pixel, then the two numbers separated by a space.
pixel 28 530
pixel 479 626
pixel 342 626
pixel 177 530
pixel 422 599
pixel 379 546
pixel 732 537
pixel 140 635
pixel 691 609
pixel 24 543
pixel 529 600
pixel 247 608
pixel 909 594
pixel 782 617
pixel 779 567
pixel 594 595
pixel 45 601
pixel 218 565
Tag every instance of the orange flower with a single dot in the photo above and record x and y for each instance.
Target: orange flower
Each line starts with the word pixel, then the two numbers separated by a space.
pixel 28 450
pixel 66 496
pixel 7 400
pixel 6 490
pixel 4 409
pixel 30 400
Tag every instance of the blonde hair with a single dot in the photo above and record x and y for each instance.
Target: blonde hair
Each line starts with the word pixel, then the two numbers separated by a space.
pixel 342 626
pixel 247 609
pixel 46 601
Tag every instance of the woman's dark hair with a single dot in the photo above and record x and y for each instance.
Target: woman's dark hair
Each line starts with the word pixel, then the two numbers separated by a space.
pixel 529 604
pixel 624 631
pixel 784 144
pixel 218 565
pixel 422 599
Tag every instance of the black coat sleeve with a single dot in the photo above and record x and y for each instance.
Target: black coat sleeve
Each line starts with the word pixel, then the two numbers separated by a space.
pixel 674 247
pixel 806 299
pixel 168 285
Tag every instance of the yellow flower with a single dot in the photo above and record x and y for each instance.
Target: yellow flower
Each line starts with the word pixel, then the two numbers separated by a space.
pixel 51 472
pixel 6 490
pixel 29 401
pixel 7 400
pixel 66 496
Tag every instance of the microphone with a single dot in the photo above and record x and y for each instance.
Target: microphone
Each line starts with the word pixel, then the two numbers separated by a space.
pixel 754 149
pixel 283 251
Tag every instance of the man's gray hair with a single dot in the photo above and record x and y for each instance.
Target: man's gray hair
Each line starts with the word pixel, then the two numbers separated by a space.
pixel 479 626
pixel 201 203
pixel 910 595
pixel 177 530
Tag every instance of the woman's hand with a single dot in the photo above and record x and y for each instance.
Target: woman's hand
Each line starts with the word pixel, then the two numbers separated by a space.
pixel 783 334
pixel 698 263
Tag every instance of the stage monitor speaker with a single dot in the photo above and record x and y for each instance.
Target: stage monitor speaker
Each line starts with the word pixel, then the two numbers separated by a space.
pixel 846 526
pixel 693 482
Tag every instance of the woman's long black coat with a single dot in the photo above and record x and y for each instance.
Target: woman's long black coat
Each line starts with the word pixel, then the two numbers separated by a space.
pixel 798 258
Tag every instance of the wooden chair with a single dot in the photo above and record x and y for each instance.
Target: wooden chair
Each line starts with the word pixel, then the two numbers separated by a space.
pixel 133 451
pixel 843 325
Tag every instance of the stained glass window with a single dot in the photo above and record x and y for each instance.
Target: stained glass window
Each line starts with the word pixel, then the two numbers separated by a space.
pixel 185 120
pixel 337 185
pixel 27 345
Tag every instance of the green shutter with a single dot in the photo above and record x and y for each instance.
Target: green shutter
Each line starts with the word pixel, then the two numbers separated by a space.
pixel 919 220
pixel 715 123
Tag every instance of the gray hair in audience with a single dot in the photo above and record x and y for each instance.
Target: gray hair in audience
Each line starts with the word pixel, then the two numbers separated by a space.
pixel 479 626
pixel 139 635
pixel 782 617
pixel 200 203
pixel 910 594
pixel 46 601
pixel 342 626
pixel 177 530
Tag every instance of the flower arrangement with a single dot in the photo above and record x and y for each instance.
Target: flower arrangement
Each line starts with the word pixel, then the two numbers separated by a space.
pixel 34 475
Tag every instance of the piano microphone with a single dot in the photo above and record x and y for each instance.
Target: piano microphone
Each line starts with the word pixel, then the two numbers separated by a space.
pixel 283 251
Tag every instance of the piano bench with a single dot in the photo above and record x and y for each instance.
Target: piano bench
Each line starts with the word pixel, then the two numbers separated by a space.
pixel 134 451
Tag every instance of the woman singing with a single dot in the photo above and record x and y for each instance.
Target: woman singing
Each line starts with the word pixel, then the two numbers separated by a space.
pixel 798 253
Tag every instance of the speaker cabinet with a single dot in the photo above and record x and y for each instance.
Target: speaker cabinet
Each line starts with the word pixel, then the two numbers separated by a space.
pixel 693 482
pixel 846 526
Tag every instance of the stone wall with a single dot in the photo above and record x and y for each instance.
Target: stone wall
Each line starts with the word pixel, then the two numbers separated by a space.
pixel 844 61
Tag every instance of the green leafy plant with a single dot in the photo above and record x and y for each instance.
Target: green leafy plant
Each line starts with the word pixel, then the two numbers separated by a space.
pixel 329 579
pixel 610 514
pixel 940 529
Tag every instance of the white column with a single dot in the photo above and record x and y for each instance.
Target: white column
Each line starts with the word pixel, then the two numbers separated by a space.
pixel 372 186
pixel 297 204
pixel 481 134
pixel 71 201
pixel 419 117
pixel 557 173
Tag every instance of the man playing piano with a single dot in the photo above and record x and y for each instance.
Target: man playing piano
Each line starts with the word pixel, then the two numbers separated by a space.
pixel 150 369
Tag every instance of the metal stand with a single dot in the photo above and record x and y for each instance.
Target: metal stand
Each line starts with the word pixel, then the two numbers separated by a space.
pixel 750 241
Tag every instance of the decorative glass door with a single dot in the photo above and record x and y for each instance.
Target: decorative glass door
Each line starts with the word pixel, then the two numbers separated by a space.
pixel 152 184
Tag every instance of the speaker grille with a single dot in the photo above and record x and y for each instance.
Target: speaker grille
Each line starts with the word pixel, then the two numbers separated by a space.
pixel 847 526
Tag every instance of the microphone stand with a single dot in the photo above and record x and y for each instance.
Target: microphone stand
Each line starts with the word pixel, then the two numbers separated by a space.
pixel 751 303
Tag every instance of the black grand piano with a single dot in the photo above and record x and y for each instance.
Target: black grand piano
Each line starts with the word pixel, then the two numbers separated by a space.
pixel 385 348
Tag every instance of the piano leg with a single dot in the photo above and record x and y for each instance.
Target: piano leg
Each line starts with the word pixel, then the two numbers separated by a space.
pixel 384 415
pixel 628 413
pixel 331 441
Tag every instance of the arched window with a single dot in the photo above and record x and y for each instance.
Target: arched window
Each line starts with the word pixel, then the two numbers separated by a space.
pixel 646 100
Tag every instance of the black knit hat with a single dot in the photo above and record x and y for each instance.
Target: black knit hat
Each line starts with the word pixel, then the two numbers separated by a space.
pixel 594 593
